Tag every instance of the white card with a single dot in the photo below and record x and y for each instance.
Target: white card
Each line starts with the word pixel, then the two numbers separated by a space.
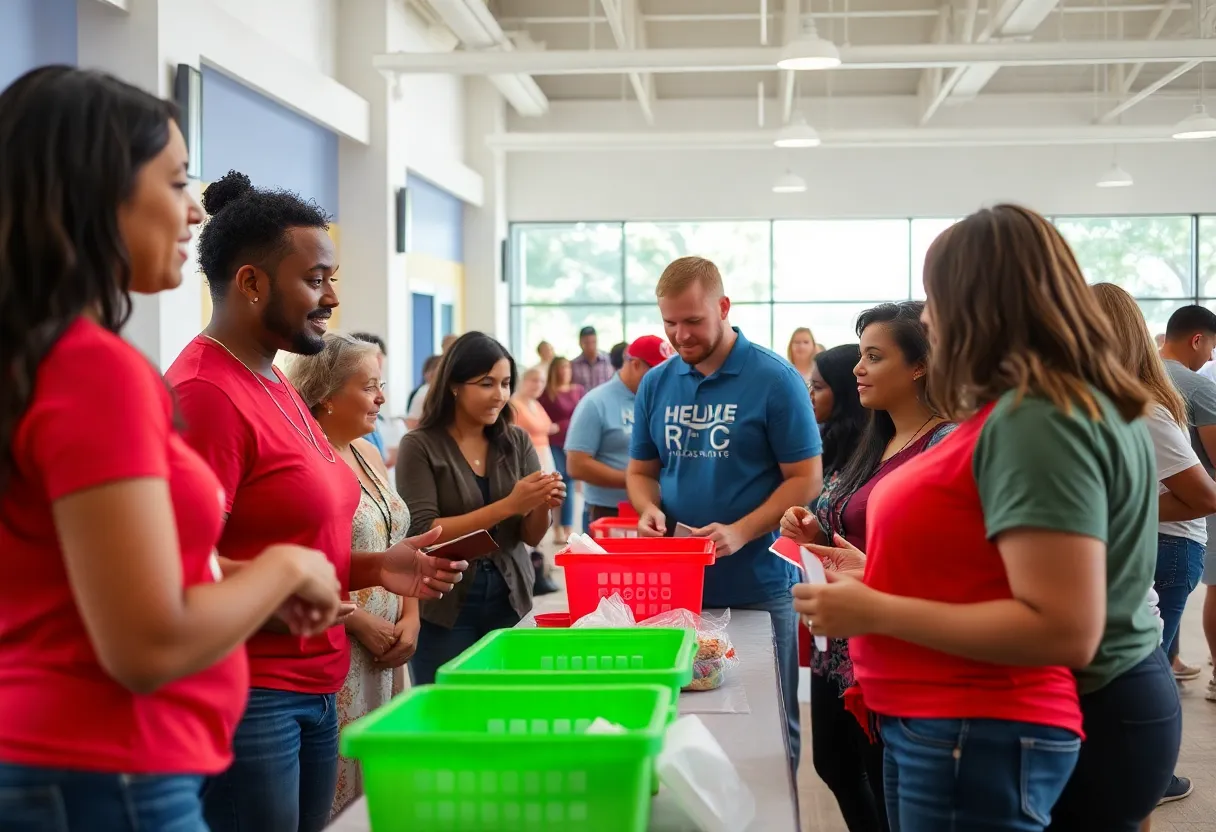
pixel 813 568
pixel 682 530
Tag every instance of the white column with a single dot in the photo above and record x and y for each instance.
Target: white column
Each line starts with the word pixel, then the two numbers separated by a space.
pixel 485 227
pixel 373 289
pixel 126 44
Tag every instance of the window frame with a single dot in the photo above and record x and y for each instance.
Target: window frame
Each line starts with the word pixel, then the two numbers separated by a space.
pixel 512 250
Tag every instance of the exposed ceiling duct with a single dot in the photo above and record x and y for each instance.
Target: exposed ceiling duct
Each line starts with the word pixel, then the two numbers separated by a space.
pixel 764 58
pixel 477 29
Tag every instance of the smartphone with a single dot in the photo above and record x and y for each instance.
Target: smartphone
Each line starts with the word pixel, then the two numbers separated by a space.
pixel 470 546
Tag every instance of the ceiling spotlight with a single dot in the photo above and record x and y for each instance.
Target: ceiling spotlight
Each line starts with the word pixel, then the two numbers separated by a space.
pixel 789 183
pixel 797 134
pixel 1198 125
pixel 1115 177
pixel 808 51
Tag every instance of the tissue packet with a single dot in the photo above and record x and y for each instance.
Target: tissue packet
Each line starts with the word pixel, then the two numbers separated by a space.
pixel 702 779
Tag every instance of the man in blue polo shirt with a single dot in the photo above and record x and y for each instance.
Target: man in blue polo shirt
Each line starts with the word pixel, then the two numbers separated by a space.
pixel 724 440
pixel 597 443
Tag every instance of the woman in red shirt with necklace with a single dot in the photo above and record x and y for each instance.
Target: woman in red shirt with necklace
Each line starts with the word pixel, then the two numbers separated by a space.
pixel 1002 612
pixel 270 264
pixel 121 677
pixel 889 379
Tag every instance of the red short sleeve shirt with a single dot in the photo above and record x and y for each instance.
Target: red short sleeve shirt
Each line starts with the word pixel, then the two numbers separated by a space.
pixel 100 413
pixel 927 538
pixel 257 435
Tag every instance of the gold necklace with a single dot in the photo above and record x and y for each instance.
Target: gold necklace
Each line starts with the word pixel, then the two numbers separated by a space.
pixel 310 436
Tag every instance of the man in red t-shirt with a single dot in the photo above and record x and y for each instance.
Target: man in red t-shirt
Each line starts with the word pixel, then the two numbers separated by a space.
pixel 270 264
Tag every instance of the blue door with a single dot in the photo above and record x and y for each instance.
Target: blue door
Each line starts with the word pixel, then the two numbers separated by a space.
pixel 424 332
pixel 447 319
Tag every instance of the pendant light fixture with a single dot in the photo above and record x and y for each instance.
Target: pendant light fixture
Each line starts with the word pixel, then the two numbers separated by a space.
pixel 1199 124
pixel 1115 177
pixel 789 183
pixel 809 51
pixel 797 133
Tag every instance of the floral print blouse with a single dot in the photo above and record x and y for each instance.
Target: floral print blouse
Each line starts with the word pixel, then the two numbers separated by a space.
pixel 830 509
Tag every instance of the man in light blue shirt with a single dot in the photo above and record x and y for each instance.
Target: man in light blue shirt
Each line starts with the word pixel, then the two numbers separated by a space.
pixel 597 442
pixel 724 441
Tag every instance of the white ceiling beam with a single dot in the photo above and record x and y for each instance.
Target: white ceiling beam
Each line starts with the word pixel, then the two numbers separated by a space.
pixel 1011 18
pixel 764 58
pixel 1154 32
pixel 1132 100
pixel 475 27
pixel 851 14
pixel 762 140
pixel 622 22
pixel 791 27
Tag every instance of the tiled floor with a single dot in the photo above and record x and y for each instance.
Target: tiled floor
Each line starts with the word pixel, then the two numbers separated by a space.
pixel 1198 760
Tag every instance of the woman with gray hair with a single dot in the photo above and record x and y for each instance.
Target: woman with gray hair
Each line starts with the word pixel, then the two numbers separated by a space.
pixel 342 386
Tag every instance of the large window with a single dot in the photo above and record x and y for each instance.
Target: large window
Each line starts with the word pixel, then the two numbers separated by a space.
pixel 785 274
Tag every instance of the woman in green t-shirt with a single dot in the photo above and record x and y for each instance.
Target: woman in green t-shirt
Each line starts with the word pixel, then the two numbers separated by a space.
pixel 1021 546
pixel 1010 314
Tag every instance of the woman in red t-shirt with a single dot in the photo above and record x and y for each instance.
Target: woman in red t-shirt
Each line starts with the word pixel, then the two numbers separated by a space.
pixel 270 265
pixel 120 678
pixel 1020 548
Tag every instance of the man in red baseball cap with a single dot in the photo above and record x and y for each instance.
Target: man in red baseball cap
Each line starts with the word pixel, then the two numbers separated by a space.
pixel 597 442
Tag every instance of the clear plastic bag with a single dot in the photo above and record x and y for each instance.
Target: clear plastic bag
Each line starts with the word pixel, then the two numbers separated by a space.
pixel 612 611
pixel 715 653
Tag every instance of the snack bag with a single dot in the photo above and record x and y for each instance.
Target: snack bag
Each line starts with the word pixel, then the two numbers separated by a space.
pixel 715 653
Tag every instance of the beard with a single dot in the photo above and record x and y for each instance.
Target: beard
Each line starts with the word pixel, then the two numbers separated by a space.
pixel 700 351
pixel 299 339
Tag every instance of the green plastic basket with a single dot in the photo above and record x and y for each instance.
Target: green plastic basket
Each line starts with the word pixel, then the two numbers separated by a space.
pixel 494 759
pixel 633 656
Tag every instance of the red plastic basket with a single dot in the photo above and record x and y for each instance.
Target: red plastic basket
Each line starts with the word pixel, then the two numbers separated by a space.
pixel 652 574
pixel 625 509
pixel 614 527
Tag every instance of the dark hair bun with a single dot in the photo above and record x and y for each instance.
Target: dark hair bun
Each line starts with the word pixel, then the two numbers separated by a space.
pixel 227 189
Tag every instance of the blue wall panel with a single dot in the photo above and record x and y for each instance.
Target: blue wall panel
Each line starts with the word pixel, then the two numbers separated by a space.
pixel 244 130
pixel 33 33
pixel 436 221
pixel 423 331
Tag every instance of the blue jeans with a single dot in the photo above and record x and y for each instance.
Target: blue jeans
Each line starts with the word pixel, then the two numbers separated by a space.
pixel 785 640
pixel 1133 728
pixel 57 800
pixel 1179 567
pixel 974 775
pixel 286 768
pixel 486 608
pixel 559 462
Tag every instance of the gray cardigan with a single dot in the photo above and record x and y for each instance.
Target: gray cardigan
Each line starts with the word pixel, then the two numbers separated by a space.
pixel 436 481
